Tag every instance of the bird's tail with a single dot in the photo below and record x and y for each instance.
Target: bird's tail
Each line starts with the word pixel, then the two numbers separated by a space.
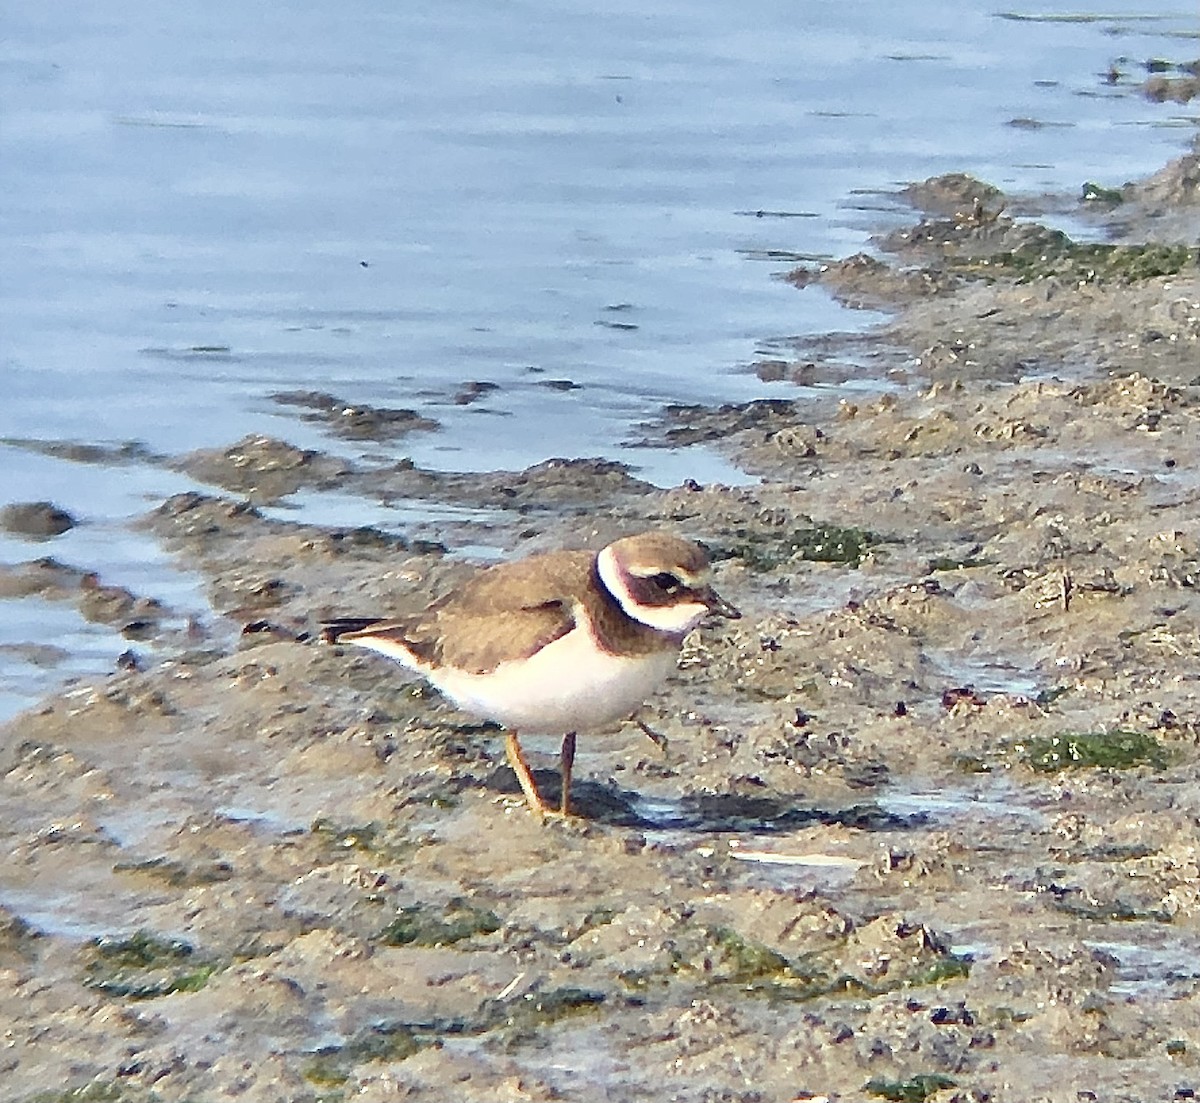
pixel 333 630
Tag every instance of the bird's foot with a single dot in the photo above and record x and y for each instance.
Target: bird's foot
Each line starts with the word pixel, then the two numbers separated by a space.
pixel 543 811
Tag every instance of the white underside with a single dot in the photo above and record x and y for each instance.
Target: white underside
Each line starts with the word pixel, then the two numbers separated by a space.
pixel 569 685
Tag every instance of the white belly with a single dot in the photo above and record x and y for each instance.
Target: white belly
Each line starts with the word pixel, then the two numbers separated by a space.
pixel 567 686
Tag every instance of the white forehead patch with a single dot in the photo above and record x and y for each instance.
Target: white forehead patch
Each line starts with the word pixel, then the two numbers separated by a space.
pixel 676 619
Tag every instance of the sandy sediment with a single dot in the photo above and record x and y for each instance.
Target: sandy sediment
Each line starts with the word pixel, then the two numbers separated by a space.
pixel 926 822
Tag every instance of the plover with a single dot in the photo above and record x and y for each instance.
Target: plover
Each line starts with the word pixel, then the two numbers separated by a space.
pixel 559 643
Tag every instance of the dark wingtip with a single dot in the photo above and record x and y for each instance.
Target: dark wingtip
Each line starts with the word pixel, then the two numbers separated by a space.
pixel 333 630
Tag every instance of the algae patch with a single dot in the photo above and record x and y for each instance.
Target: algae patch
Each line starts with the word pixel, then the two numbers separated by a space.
pixel 522 1020
pixel 1114 911
pixel 916 1089
pixel 949 563
pixel 1115 750
pixel 423 925
pixel 332 1065
pixel 741 960
pixel 1059 257
pixel 515 1022
pixel 98 1091
pixel 144 966
pixel 369 838
pixel 838 544
pixel 882 957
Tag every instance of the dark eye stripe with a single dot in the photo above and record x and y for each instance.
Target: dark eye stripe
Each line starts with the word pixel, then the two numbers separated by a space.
pixel 650 591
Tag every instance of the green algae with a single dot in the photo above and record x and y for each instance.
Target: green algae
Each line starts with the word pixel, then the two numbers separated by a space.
pixel 947 968
pixel 1112 750
pixel 1047 697
pixel 1056 256
pixel 972 764
pixel 363 836
pixel 639 980
pixel 726 958
pixel 599 916
pixel 746 961
pixel 98 1091
pixel 429 925
pixel 1111 911
pixel 948 563
pixel 368 838
pixel 916 1089
pixel 144 966
pixel 522 1020
pixel 331 1066
pixel 818 543
pixel 1092 192
pixel 511 1023
pixel 1120 852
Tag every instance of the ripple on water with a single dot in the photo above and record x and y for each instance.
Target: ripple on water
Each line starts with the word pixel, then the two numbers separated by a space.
pixel 992 797
pixel 410 518
pixel 31 667
pixel 988 673
pixel 1165 964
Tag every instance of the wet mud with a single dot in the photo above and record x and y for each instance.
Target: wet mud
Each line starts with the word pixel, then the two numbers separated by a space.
pixel 925 822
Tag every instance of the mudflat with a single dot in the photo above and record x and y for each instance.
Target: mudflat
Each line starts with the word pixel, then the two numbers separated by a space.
pixel 925 826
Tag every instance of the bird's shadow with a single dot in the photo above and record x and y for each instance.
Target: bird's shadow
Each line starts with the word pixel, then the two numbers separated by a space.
pixel 607 803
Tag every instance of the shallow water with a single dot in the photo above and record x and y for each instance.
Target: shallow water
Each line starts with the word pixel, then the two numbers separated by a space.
pixel 1006 807
pixel 67 647
pixel 208 204
pixel 213 204
pixel 1161 963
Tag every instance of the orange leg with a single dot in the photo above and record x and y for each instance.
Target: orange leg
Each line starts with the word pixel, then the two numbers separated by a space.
pixel 567 765
pixel 516 759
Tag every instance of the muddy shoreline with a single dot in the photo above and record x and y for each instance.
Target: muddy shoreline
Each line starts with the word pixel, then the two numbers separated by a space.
pixel 925 826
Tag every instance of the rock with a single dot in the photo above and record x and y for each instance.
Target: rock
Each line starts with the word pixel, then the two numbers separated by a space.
pixel 37 520
pixel 263 468
pixel 356 421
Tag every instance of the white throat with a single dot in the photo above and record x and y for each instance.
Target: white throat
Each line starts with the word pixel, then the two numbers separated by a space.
pixel 677 620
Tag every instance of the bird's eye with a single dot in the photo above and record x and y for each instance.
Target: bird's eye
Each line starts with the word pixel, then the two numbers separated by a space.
pixel 667 582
